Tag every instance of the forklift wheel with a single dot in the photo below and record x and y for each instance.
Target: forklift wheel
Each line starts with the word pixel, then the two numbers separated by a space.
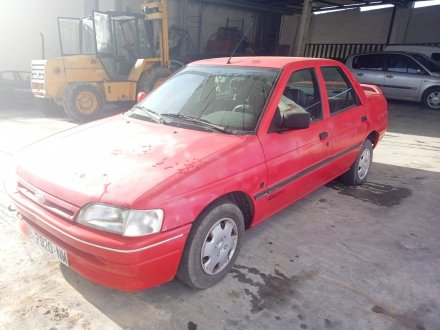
pixel 152 78
pixel 83 102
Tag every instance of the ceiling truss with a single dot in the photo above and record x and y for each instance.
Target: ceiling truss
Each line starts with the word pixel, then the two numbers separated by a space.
pixel 295 6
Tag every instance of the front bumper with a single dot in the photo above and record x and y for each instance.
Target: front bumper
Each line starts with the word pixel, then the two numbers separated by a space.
pixel 113 261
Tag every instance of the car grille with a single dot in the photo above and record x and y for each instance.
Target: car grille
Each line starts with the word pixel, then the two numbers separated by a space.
pixel 50 203
pixel 38 71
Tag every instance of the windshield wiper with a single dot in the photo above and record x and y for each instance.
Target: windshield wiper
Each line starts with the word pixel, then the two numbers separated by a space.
pixel 199 121
pixel 158 118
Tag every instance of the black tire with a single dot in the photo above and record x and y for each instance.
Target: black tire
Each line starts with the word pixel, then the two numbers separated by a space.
pixel 356 175
pixel 150 78
pixel 83 102
pixel 192 267
pixel 48 107
pixel 431 98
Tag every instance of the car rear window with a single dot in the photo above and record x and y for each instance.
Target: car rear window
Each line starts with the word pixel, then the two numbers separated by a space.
pixel 368 62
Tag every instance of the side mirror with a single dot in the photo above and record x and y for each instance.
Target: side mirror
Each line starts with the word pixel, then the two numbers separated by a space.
pixel 295 120
pixel 140 96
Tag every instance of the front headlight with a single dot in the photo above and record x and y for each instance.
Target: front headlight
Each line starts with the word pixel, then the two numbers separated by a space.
pixel 125 222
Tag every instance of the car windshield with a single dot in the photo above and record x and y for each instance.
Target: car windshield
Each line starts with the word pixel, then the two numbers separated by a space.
pixel 427 63
pixel 217 98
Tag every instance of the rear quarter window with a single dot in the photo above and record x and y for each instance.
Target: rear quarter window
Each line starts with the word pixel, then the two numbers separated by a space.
pixel 368 62
pixel 435 57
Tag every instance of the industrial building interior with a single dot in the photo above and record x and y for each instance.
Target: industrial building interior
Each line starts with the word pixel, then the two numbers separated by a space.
pixel 364 257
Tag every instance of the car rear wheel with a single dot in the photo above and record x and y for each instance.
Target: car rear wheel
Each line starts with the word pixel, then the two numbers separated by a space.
pixel 431 98
pixel 358 172
pixel 212 246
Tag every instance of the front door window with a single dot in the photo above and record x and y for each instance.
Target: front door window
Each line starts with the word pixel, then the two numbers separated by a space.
pixel 302 94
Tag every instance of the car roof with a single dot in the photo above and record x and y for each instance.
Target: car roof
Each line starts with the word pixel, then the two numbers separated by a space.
pixel 387 52
pixel 433 48
pixel 276 62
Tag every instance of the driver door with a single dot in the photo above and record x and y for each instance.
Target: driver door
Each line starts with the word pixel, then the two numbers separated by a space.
pixel 296 159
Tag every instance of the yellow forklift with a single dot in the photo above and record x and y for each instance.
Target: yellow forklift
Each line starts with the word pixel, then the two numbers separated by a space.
pixel 107 57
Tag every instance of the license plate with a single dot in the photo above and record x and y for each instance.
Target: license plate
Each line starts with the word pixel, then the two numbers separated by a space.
pixel 48 246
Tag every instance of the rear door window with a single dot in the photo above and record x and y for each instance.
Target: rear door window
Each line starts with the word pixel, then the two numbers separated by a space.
pixel 340 92
pixel 368 62
pixel 402 64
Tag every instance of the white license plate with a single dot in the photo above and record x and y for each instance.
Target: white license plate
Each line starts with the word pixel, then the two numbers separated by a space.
pixel 48 246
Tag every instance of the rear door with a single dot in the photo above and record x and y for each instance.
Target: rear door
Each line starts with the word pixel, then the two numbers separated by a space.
pixel 347 118
pixel 403 77
pixel 23 90
pixel 369 69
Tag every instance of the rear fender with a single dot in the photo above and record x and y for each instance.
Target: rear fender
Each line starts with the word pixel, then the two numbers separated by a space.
pixel 371 88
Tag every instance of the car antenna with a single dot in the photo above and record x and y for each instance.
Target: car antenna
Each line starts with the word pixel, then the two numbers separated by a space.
pixel 239 43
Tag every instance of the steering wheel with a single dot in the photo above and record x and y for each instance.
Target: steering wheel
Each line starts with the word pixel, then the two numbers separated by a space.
pixel 242 108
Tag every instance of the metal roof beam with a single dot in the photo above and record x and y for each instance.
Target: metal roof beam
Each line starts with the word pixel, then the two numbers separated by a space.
pixel 337 6
pixel 255 6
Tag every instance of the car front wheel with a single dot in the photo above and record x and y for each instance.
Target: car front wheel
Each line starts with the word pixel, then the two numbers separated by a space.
pixel 212 246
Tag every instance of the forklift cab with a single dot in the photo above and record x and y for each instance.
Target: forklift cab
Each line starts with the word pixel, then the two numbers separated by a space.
pixel 119 40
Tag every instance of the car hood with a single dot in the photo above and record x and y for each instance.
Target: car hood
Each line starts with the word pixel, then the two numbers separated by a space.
pixel 115 160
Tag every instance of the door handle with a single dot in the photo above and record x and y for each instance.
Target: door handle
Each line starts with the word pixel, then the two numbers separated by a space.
pixel 389 76
pixel 323 135
pixel 360 74
pixel 364 118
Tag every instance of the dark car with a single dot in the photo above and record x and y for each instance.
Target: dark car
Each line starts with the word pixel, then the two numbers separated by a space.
pixel 15 87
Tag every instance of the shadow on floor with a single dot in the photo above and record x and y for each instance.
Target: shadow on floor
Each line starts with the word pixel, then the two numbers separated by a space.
pixel 413 118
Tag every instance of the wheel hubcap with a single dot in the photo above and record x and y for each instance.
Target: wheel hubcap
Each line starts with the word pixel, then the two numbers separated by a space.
pixel 219 246
pixel 86 102
pixel 434 100
pixel 364 164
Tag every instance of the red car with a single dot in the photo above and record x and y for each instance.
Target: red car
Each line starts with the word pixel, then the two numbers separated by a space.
pixel 169 187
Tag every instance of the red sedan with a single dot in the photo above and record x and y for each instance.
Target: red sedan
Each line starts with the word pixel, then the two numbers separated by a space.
pixel 170 186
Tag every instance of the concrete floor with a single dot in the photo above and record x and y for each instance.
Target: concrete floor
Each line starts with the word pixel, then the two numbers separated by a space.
pixel 342 258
